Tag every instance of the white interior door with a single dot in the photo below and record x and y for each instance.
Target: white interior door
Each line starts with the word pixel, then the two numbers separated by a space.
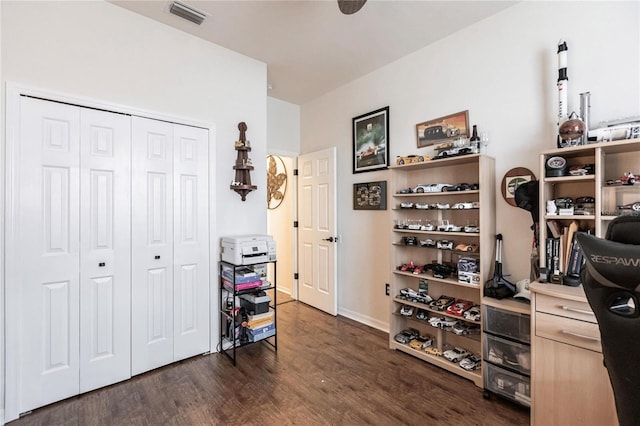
pixel 151 244
pixel 47 219
pixel 317 237
pixel 105 248
pixel 191 241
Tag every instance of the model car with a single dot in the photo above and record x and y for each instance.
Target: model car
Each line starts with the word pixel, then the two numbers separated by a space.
pixel 474 229
pixel 421 342
pixel 405 191
pixel 417 270
pixel 467 247
pixel 442 322
pixel 462 328
pixel 632 206
pixel 463 205
pixel 422 315
pixel 406 335
pixel 445 245
pixel 475 205
pixel 470 363
pixel 441 271
pixel 409 159
pixel 440 131
pixel 414 226
pixel 410 241
pixel 442 303
pixel 407 267
pixel 433 187
pixel 427 243
pixel 433 351
pixel 455 151
pixel 467 186
pixel 408 293
pixel 422 206
pixel 456 354
pixel 473 313
pixel 445 226
pixel 415 344
pixel 406 205
pixel 459 307
pixel 406 310
pixel 428 227
pixel 627 179
pixel 442 206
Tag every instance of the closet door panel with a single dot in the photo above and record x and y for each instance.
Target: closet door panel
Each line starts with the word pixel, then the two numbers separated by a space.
pixel 47 222
pixel 152 245
pixel 105 257
pixel 191 241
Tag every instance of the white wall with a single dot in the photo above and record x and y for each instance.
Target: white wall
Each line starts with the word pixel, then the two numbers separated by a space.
pixel 503 70
pixel 103 52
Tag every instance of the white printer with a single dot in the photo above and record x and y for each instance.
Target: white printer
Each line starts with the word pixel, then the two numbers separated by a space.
pixel 248 249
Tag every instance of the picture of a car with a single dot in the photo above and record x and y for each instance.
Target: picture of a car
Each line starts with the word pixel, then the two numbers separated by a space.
pixel 456 354
pixel 433 187
pixel 473 313
pixel 470 363
pixel 459 307
pixel 410 159
pixel 440 131
pixel 368 152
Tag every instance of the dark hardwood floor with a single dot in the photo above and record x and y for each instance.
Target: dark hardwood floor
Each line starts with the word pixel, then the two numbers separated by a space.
pixel 327 371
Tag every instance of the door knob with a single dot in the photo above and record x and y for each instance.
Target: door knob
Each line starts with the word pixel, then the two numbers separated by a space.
pixel 331 239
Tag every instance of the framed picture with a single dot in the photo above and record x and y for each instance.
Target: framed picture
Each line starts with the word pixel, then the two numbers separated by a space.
pixel 371 141
pixel 443 129
pixel 370 196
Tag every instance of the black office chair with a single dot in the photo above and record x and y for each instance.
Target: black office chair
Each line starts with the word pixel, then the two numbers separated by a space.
pixel 611 281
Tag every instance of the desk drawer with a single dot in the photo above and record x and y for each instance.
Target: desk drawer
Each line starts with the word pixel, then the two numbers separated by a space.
pixel 565 308
pixel 566 330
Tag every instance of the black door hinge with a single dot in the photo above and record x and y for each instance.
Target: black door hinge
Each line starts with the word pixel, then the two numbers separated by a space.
pixel 295 172
pixel 295 223
pixel 295 275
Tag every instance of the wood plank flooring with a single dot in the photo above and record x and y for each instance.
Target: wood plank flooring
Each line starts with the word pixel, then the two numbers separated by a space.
pixel 327 371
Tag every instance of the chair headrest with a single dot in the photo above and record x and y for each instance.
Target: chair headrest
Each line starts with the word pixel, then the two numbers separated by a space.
pixel 624 229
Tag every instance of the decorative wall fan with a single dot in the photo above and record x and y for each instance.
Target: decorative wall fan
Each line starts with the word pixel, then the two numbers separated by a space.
pixel 276 181
pixel 349 7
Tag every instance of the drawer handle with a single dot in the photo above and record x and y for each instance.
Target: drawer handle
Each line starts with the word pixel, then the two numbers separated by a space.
pixel 582 336
pixel 580 311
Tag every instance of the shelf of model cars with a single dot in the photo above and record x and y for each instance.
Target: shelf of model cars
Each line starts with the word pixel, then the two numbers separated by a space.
pixel 458 252
pixel 475 375
pixel 417 231
pixel 440 280
pixel 436 312
pixel 441 162
pixel 435 194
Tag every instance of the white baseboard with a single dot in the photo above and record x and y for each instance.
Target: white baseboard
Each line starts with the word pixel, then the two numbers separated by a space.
pixel 366 320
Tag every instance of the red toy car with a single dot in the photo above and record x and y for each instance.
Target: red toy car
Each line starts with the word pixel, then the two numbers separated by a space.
pixel 459 307
pixel 628 179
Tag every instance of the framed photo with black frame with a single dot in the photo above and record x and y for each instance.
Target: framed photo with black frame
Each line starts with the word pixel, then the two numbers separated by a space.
pixel 370 195
pixel 371 141
pixel 443 129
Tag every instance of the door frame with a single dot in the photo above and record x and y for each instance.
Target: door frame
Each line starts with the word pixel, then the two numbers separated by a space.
pixel 9 362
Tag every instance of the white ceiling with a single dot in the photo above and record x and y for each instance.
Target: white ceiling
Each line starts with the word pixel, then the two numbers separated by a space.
pixel 310 47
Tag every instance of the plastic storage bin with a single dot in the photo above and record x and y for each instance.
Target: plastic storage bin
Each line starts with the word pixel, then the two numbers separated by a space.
pixel 508 354
pixel 509 324
pixel 508 384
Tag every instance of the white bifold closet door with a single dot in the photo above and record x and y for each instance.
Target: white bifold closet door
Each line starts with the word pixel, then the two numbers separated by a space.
pixel 73 272
pixel 170 240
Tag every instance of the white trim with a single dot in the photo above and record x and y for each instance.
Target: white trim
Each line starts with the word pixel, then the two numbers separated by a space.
pixel 8 261
pixel 363 319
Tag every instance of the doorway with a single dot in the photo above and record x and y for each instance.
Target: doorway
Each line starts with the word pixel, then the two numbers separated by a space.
pixel 281 215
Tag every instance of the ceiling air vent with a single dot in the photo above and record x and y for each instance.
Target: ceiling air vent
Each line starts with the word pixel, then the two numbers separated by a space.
pixel 187 12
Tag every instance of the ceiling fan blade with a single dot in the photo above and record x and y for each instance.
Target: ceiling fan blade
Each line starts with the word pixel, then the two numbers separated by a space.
pixel 349 7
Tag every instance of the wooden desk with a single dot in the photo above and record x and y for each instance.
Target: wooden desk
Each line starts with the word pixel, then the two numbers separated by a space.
pixel 569 383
